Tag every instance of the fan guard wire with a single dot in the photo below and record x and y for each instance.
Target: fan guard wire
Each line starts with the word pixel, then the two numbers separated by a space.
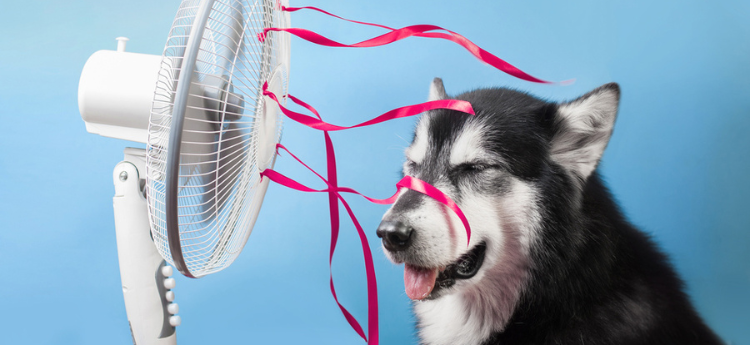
pixel 210 133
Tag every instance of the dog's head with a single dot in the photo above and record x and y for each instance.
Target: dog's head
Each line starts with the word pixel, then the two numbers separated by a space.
pixel 493 165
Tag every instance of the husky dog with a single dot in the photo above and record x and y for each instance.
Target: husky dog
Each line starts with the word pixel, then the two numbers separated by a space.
pixel 551 260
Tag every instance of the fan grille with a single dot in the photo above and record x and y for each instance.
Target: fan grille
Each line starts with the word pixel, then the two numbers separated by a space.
pixel 228 132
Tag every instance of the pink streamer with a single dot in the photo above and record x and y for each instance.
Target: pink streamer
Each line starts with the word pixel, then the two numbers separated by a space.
pixel 409 110
pixel 408 182
pixel 399 34
pixel 334 195
pixel 333 190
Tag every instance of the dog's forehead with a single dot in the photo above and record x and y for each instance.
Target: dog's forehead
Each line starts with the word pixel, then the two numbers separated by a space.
pixel 459 139
pixel 507 121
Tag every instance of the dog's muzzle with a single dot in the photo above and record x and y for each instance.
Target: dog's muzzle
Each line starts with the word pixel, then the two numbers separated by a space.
pixel 396 235
pixel 422 282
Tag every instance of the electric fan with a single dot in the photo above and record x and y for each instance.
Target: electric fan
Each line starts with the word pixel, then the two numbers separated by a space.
pixel 193 195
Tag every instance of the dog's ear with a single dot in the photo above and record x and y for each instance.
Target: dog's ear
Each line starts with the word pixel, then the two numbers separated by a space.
pixel 437 90
pixel 582 129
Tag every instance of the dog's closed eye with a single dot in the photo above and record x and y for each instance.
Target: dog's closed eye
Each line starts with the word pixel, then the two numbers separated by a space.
pixel 474 167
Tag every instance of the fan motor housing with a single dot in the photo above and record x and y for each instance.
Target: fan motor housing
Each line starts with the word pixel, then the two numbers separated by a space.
pixel 115 93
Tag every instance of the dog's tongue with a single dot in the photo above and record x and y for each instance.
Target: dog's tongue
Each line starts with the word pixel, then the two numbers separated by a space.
pixel 419 281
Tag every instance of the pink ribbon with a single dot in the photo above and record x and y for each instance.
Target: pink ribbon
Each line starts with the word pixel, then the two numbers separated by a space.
pixel 334 195
pixel 408 182
pixel 406 32
pixel 333 190
pixel 409 110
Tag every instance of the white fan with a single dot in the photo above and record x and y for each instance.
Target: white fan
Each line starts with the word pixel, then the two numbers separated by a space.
pixel 192 197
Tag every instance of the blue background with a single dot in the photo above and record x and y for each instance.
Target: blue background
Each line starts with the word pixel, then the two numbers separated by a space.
pixel 678 161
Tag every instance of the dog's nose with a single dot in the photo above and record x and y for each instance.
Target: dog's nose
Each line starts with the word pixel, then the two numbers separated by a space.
pixel 396 235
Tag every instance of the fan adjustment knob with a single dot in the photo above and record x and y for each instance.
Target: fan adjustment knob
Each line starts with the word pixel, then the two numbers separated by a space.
pixel 169 296
pixel 169 283
pixel 175 320
pixel 167 271
pixel 173 308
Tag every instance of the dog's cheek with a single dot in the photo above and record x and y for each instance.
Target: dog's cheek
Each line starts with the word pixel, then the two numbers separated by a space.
pixel 491 183
pixel 481 211
pixel 478 197
pixel 519 211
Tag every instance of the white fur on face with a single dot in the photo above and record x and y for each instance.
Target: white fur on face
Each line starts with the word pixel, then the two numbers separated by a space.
pixel 588 120
pixel 520 210
pixel 418 149
pixel 468 145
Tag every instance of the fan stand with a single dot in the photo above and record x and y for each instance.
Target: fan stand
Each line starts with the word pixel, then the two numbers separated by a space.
pixel 146 285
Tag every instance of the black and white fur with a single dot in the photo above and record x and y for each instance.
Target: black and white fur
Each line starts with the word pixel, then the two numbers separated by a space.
pixel 562 265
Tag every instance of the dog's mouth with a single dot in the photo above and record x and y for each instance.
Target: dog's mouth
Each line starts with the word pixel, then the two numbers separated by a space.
pixel 425 283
